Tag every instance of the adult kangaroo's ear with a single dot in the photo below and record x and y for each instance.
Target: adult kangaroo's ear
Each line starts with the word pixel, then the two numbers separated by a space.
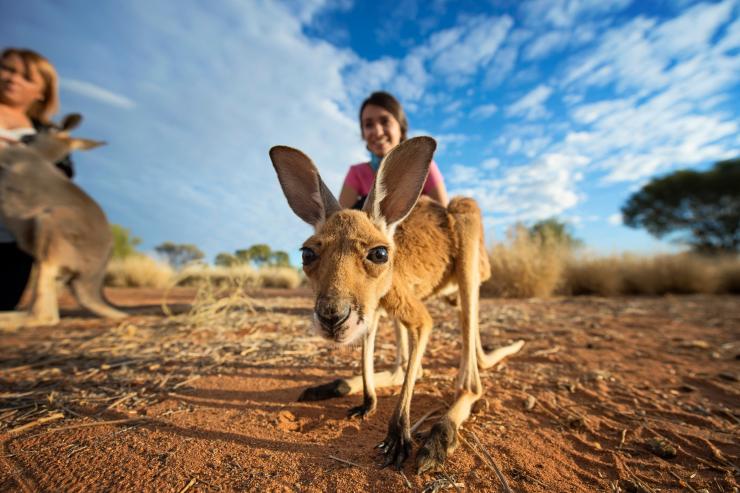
pixel 70 122
pixel 302 185
pixel 400 180
pixel 54 147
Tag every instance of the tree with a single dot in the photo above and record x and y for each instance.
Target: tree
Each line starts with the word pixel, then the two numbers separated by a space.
pixel 258 254
pixel 554 230
pixel 124 244
pixel 179 254
pixel 279 258
pixel 697 208
pixel 226 259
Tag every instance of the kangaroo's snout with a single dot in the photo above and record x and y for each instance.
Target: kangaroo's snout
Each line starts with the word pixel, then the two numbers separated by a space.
pixel 331 314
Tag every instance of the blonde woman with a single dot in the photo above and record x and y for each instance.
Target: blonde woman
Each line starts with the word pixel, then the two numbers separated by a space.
pixel 28 99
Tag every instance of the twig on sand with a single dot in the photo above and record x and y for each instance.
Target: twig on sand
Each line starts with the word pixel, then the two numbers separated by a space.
pixel 97 423
pixel 185 382
pixel 350 463
pixel 188 486
pixel 40 421
pixel 681 482
pixel 121 400
pixel 450 480
pixel 406 480
pixel 637 480
pixel 489 460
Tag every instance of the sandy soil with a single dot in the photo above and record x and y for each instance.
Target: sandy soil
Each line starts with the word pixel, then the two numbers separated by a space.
pixel 607 395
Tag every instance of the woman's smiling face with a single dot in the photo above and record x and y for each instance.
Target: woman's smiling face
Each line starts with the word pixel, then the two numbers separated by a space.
pixel 380 130
pixel 20 85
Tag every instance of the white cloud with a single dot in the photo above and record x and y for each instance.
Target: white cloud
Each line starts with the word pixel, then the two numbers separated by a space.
pixel 501 66
pixel 545 44
pixel 532 105
pixel 463 174
pixel 490 163
pixel 459 52
pixel 671 113
pixel 483 111
pixel 96 93
pixel 566 13
pixel 615 219
pixel 541 189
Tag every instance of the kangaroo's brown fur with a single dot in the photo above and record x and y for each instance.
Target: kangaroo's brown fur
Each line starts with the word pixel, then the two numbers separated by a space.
pixel 391 256
pixel 57 223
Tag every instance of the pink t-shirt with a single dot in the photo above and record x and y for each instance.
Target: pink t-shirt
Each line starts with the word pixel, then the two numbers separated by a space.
pixel 360 177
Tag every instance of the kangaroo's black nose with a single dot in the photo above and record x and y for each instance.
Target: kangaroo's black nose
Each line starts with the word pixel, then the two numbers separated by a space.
pixel 331 314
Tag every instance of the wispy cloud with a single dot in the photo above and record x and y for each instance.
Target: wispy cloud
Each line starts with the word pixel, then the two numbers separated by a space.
pixel 96 93
pixel 540 189
pixel 532 105
pixel 483 111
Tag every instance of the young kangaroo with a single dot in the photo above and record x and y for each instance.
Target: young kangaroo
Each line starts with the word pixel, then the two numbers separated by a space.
pixel 57 223
pixel 393 254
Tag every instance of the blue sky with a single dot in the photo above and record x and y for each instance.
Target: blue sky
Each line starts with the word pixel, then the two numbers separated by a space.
pixel 541 108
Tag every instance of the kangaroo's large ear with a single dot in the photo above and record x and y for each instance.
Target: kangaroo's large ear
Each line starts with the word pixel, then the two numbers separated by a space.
pixel 306 192
pixel 400 180
pixel 70 122
pixel 55 146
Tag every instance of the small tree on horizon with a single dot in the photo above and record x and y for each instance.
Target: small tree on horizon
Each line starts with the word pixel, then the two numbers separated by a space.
pixel 698 208
pixel 552 229
pixel 226 259
pixel 179 254
pixel 124 244
pixel 279 258
pixel 258 254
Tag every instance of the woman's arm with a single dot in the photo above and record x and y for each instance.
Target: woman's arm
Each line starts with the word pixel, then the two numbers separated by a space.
pixel 439 193
pixel 347 197
pixel 435 186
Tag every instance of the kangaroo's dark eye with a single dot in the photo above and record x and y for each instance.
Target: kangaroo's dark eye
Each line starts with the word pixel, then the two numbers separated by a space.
pixel 308 255
pixel 378 255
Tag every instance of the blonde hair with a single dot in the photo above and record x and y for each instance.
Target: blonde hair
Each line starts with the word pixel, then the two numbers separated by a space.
pixel 48 105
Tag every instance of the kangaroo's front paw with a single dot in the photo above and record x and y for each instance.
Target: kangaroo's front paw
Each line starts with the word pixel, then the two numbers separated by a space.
pixel 440 442
pixel 364 411
pixel 397 445
pixel 337 388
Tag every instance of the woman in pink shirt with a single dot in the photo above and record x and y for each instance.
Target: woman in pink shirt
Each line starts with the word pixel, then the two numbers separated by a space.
pixel 383 124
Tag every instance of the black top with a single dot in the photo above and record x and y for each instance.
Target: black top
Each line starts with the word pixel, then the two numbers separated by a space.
pixel 66 163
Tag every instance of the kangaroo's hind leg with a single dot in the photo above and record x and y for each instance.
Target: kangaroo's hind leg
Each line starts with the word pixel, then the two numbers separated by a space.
pixel 443 438
pixel 88 289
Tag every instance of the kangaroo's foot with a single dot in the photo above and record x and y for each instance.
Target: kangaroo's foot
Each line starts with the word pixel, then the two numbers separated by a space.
pixel 337 388
pixel 396 447
pixel 365 410
pixel 441 441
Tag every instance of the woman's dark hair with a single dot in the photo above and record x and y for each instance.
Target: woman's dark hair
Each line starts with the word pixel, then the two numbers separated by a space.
pixel 391 105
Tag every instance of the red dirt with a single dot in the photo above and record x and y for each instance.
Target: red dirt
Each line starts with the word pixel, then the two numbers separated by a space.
pixel 217 408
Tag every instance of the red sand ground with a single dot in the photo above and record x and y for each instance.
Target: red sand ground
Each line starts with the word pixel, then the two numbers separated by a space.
pixel 218 408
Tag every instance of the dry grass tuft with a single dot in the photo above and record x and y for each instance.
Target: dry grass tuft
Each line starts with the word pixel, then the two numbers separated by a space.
pixel 244 276
pixel 535 266
pixel 593 276
pixel 219 305
pixel 138 271
pixel 729 279
pixel 525 266
pixel 280 277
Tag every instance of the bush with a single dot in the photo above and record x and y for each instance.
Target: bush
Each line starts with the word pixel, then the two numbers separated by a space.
pixel 241 275
pixel 525 266
pixel 138 271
